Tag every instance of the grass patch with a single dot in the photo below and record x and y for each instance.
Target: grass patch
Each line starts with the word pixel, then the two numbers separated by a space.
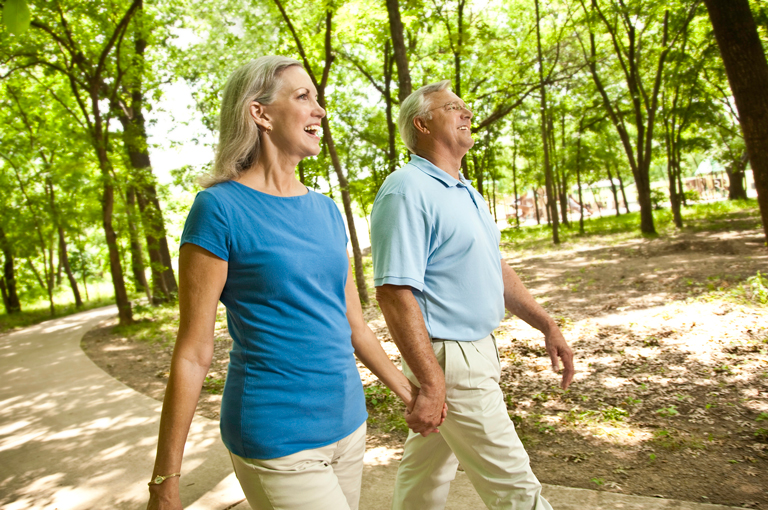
pixel 712 216
pixel 29 317
pixel 159 324
pixel 153 324
pixel 385 409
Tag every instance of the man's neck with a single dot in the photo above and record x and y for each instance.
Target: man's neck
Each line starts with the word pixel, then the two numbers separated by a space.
pixel 447 163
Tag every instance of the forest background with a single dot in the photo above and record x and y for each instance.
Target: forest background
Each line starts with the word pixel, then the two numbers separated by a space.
pixel 565 94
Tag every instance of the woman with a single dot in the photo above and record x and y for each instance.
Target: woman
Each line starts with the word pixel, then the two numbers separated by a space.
pixel 293 411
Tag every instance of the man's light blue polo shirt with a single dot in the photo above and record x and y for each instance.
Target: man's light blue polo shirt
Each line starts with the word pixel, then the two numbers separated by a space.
pixel 435 234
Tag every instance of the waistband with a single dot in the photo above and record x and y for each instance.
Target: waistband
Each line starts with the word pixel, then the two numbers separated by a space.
pixel 490 336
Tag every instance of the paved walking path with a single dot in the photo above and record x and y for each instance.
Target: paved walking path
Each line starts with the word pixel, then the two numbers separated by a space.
pixel 72 437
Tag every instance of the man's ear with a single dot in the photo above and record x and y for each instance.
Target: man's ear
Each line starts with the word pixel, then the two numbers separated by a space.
pixel 421 125
pixel 259 116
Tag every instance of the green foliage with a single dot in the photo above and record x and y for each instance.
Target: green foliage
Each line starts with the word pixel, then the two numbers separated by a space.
pixel 153 324
pixel 214 385
pixel 658 197
pixel 385 409
pixel 754 290
pixel 668 412
pixel 691 195
pixel 16 16
pixel 489 59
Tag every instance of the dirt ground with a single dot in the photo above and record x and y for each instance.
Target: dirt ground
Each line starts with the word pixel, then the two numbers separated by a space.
pixel 670 398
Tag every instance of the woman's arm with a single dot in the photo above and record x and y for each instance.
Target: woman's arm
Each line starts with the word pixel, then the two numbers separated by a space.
pixel 201 279
pixel 369 350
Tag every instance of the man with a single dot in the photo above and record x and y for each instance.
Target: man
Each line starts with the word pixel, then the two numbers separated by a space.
pixel 442 287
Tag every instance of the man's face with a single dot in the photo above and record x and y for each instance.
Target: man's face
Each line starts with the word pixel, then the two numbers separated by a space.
pixel 450 126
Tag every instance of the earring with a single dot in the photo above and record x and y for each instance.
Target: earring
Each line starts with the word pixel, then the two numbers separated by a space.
pixel 269 129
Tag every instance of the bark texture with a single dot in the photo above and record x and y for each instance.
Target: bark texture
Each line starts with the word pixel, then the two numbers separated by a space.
pixel 747 70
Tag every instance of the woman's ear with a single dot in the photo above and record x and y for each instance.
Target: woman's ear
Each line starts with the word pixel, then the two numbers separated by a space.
pixel 259 116
pixel 421 125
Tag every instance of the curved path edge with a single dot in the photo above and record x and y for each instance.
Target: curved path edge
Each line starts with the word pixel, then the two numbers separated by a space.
pixel 72 437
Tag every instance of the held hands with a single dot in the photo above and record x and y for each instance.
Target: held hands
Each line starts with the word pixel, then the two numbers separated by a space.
pixel 558 348
pixel 426 411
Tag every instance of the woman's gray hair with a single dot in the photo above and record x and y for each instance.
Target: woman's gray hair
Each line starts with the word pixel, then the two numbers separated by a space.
pixel 239 136
pixel 417 105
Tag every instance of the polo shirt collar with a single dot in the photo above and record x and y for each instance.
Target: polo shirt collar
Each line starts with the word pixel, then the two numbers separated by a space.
pixel 430 169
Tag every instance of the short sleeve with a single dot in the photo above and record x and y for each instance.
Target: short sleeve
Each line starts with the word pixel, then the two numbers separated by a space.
pixel 207 226
pixel 337 218
pixel 400 239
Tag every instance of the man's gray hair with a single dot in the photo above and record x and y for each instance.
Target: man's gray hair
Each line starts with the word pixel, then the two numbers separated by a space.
pixel 417 105
pixel 239 136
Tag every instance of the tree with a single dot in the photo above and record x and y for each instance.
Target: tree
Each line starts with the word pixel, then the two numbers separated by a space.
pixel 747 70
pixel 551 199
pixel 641 35
pixel 128 105
pixel 321 85
pixel 399 49
pixel 83 45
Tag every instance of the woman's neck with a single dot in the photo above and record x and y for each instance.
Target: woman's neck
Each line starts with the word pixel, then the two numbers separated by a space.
pixel 274 176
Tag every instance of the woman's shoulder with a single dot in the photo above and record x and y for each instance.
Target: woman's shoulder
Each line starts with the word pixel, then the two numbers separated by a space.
pixel 321 199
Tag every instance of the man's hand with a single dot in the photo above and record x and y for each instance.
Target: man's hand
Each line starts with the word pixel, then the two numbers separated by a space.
pixel 558 348
pixel 428 413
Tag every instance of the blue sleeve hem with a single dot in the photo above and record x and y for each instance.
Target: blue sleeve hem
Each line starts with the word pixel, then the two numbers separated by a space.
pixel 398 280
pixel 206 245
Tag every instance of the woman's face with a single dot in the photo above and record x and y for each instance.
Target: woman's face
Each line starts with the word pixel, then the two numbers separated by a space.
pixel 295 115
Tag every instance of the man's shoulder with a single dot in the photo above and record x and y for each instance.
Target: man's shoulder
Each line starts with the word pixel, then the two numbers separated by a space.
pixel 407 180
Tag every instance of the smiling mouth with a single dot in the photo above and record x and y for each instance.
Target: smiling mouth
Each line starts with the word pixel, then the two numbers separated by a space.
pixel 315 130
pixel 463 128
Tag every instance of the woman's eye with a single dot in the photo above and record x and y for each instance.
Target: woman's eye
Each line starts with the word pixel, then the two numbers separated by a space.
pixel 304 96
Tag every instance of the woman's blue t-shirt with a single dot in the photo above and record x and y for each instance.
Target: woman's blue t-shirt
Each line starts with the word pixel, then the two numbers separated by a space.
pixel 292 382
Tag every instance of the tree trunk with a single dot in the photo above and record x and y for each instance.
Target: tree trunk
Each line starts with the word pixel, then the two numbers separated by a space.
pixel 156 219
pixel 12 304
pixel 621 187
pixel 135 143
pixel 551 199
pixel 478 174
pixel 401 54
pixel 578 177
pixel 4 291
pixel 536 206
pixel 125 315
pixel 514 183
pixel 63 256
pixel 613 189
pixel 674 197
pixel 391 127
pixel 137 259
pixel 735 171
pixel 160 292
pixel 747 70
pixel 563 175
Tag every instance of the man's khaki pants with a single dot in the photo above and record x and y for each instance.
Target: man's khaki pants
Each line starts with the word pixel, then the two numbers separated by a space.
pixel 476 433
pixel 326 478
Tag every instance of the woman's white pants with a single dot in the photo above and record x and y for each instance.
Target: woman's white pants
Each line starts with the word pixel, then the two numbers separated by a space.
pixel 326 478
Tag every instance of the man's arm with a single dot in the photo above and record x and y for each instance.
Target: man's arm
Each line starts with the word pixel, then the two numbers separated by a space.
pixel 406 325
pixel 519 301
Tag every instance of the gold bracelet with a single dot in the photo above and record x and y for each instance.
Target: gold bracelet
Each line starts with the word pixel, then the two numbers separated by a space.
pixel 160 479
